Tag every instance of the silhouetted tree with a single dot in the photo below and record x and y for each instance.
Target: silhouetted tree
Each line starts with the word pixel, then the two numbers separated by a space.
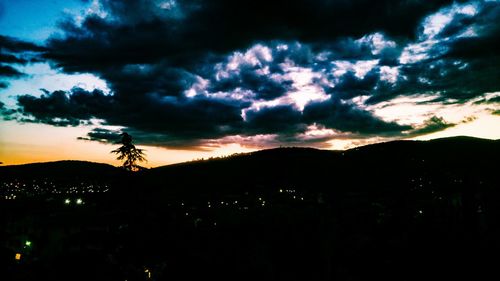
pixel 129 154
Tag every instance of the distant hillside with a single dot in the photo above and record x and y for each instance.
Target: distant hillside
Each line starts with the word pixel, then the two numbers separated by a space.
pixel 67 169
pixel 383 165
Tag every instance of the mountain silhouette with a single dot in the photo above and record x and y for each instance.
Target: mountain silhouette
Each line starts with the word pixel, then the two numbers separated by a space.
pixel 385 165
pixel 397 210
pixel 60 170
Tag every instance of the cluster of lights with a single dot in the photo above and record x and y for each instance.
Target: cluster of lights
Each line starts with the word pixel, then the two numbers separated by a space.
pixel 78 201
pixel 261 201
pixel 293 193
pixel 9 190
pixel 248 201
pixel 245 203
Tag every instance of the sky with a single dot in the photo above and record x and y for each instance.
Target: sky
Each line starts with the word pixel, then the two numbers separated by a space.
pixel 197 79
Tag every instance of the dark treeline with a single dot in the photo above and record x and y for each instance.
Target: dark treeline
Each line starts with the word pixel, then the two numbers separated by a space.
pixel 403 210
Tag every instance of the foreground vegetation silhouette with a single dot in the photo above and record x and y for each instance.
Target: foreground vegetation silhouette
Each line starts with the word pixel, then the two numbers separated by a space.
pixel 129 154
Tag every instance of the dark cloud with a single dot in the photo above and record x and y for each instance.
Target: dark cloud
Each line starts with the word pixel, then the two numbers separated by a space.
pixel 180 118
pixel 351 86
pixel 351 49
pixel 336 114
pixel 486 37
pixel 185 73
pixel 9 71
pixel 102 135
pixel 452 80
pixel 138 31
pixel 62 108
pixel 15 45
pixel 489 101
pixel 431 125
pixel 461 65
pixel 261 85
pixel 5 112
pixel 6 58
pixel 186 123
pixel 146 138
pixel 283 120
pixel 172 118
pixel 258 71
pixel 12 51
pixel 138 80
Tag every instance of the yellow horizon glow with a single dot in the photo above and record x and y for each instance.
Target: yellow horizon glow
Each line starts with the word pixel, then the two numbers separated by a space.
pixel 31 143
pixel 486 126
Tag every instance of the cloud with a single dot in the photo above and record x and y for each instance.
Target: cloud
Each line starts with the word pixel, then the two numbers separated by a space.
pixel 350 85
pixel 198 73
pixel 102 135
pixel 492 100
pixel 282 119
pixel 255 71
pixel 62 108
pixel 454 81
pixel 6 112
pixel 17 52
pixel 475 35
pixel 431 125
pixel 342 116
pixel 188 122
pixel 139 31
pixel 15 45
pixel 173 118
pixel 9 71
pixel 7 58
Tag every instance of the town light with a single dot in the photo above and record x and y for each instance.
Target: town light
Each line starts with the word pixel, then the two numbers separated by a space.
pixel 148 273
